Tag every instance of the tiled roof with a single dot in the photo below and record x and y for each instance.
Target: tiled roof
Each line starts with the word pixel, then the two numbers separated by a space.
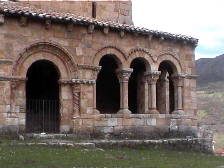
pixel 12 8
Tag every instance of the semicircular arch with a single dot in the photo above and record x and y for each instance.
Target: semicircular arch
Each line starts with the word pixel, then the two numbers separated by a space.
pixel 175 63
pixel 46 51
pixel 145 56
pixel 115 52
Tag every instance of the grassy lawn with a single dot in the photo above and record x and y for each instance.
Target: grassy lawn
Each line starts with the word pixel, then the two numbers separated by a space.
pixel 55 157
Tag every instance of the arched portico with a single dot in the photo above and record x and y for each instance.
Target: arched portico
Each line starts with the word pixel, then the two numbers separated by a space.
pixel 65 68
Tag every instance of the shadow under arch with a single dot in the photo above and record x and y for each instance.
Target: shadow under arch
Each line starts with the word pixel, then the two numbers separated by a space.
pixel 165 88
pixel 107 86
pixel 136 85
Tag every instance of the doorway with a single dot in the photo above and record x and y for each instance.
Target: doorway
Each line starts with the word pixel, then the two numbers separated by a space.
pixel 42 98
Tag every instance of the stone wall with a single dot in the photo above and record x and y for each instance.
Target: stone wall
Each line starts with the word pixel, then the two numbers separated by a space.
pixel 116 11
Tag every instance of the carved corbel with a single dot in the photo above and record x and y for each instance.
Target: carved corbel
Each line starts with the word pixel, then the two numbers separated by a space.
pixel 70 26
pixel 150 37
pixel 47 23
pixel 136 34
pixel 14 84
pixel 121 33
pixel 161 39
pixel 91 28
pixel 106 30
pixel 22 22
pixel 2 18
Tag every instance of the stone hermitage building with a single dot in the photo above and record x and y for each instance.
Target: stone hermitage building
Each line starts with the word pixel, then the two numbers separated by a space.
pixel 83 67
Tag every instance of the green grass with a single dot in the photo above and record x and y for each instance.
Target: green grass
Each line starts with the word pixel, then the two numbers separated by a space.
pixel 57 157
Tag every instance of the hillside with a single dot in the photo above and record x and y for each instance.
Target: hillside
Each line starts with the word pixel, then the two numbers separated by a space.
pixel 210 95
pixel 210 70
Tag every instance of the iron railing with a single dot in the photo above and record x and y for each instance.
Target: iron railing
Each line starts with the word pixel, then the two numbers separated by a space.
pixel 42 116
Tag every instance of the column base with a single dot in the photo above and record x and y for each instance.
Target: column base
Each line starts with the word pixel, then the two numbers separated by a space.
pixel 152 111
pixel 124 111
pixel 95 111
pixel 181 112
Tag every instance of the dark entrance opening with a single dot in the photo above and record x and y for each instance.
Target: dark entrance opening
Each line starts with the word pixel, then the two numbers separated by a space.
pixel 136 87
pixel 108 87
pixel 165 89
pixel 42 98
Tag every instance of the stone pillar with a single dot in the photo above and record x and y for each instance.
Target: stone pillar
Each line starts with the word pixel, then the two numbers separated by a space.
pixel 123 76
pixel 151 78
pixel 76 99
pixel 95 72
pixel 178 82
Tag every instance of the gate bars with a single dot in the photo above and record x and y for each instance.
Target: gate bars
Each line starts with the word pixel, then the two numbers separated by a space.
pixel 42 116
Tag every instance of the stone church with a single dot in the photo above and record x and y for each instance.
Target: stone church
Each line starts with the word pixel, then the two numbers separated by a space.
pixel 83 67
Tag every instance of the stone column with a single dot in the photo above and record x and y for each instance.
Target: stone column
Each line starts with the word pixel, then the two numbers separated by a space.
pixel 76 99
pixel 123 76
pixel 95 72
pixel 151 78
pixel 178 82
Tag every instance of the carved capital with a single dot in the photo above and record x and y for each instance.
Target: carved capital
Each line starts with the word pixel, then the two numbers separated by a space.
pixel 22 22
pixel 2 18
pixel 90 28
pixel 152 76
pixel 14 84
pixel 124 74
pixel 178 79
pixel 96 72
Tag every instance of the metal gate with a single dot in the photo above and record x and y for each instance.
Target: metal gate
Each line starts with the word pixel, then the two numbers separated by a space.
pixel 42 116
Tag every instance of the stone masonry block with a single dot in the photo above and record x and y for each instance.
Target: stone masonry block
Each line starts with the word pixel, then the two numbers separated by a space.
pixel 87 122
pixel 112 122
pixel 151 121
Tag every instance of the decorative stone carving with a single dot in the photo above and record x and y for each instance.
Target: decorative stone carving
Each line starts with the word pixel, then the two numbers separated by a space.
pixel 106 30
pixel 2 18
pixel 6 61
pixel 152 76
pixel 90 28
pixel 121 33
pixel 161 39
pixel 178 79
pixel 23 20
pixel 14 84
pixel 148 52
pixel 124 74
pixel 70 26
pixel 83 81
pixel 76 99
pixel 136 34
pixel 47 23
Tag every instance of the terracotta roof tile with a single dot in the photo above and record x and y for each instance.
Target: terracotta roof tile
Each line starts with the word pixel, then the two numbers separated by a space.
pixel 14 8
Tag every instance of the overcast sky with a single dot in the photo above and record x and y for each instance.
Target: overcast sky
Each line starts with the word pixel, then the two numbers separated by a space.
pixel 202 19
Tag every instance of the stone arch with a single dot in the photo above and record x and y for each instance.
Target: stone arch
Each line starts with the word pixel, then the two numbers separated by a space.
pixel 144 55
pixel 173 61
pixel 48 51
pixel 115 52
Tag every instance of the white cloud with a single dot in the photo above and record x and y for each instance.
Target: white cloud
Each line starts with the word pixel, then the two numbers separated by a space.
pixel 198 18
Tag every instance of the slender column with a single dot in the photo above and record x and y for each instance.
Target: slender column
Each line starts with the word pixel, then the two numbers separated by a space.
pixel 95 72
pixel 178 82
pixel 151 78
pixel 123 76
